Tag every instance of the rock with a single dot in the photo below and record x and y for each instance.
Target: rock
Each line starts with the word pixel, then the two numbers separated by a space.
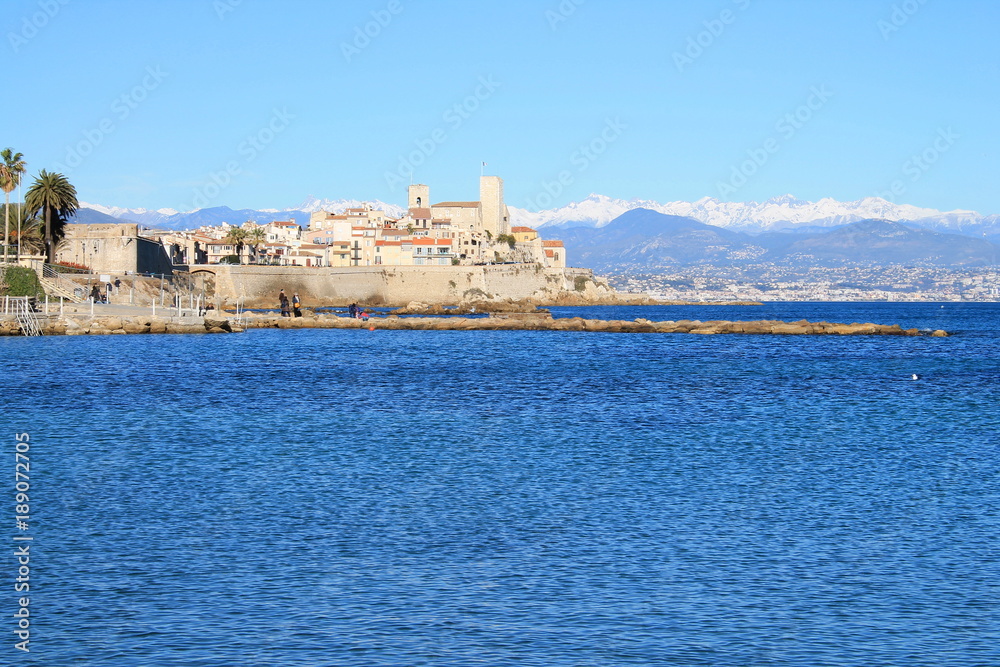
pixel 211 323
pixel 939 333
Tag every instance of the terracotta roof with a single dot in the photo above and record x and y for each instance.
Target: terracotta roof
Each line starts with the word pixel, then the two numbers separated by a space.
pixel 457 204
pixel 517 230
pixel 550 253
pixel 420 212
pixel 552 244
pixel 283 223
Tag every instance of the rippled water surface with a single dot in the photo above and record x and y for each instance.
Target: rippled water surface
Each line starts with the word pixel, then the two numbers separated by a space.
pixel 346 497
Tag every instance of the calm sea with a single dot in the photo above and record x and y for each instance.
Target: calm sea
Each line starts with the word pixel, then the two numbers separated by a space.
pixel 347 497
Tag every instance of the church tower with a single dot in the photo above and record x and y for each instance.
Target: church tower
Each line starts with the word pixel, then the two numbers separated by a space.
pixel 419 196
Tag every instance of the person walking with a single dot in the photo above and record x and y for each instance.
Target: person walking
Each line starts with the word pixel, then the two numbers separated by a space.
pixel 283 299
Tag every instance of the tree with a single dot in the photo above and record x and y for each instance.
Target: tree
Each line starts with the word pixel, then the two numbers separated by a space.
pixel 256 238
pixel 237 236
pixel 54 197
pixel 26 230
pixel 11 169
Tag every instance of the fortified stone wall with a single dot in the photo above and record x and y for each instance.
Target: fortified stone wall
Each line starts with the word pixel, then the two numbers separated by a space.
pixel 396 285
pixel 113 248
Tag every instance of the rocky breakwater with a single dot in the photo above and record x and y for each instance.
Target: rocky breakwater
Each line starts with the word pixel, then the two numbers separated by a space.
pixel 82 326
pixel 540 321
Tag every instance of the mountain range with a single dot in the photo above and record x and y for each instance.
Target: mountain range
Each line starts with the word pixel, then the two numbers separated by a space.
pixel 168 218
pixel 779 213
pixel 642 239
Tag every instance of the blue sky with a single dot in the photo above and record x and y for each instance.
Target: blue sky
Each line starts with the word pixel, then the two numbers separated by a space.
pixel 259 104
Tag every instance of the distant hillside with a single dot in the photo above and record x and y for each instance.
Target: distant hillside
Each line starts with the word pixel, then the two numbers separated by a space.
pixel 641 238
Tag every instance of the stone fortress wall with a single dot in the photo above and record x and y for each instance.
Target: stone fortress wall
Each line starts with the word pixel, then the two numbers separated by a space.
pixel 397 285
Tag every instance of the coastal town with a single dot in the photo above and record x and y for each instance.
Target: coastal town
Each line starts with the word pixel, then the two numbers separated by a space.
pixel 448 233
pixel 769 282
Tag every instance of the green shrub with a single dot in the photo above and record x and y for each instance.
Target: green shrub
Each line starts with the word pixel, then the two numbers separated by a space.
pixel 20 281
pixel 580 283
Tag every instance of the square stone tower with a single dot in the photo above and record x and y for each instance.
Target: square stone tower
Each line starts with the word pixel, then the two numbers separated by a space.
pixel 419 196
pixel 492 210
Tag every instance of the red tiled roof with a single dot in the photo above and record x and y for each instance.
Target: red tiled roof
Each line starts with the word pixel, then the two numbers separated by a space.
pixel 552 244
pixel 457 204
pixel 518 230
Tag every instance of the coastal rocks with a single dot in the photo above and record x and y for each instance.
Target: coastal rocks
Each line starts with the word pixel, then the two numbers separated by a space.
pixel 217 326
pixel 533 320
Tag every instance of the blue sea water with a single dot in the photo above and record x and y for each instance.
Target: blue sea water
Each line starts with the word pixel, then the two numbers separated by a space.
pixel 347 497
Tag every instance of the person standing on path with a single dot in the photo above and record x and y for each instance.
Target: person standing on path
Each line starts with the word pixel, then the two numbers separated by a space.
pixel 297 305
pixel 283 300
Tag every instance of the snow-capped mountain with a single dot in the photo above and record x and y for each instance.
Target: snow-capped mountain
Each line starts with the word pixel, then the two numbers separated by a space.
pixel 775 214
pixel 168 218
pixel 312 204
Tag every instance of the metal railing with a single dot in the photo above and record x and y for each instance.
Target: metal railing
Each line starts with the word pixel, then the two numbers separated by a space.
pixel 54 283
pixel 25 314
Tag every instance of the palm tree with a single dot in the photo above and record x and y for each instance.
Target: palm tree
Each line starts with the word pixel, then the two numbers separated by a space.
pixel 26 231
pixel 237 236
pixel 256 238
pixel 55 197
pixel 11 168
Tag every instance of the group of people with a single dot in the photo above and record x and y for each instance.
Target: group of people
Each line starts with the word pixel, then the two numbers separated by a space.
pixel 357 313
pixel 98 297
pixel 287 308
pixel 293 306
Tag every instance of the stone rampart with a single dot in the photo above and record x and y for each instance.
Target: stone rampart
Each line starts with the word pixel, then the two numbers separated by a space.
pixel 397 285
